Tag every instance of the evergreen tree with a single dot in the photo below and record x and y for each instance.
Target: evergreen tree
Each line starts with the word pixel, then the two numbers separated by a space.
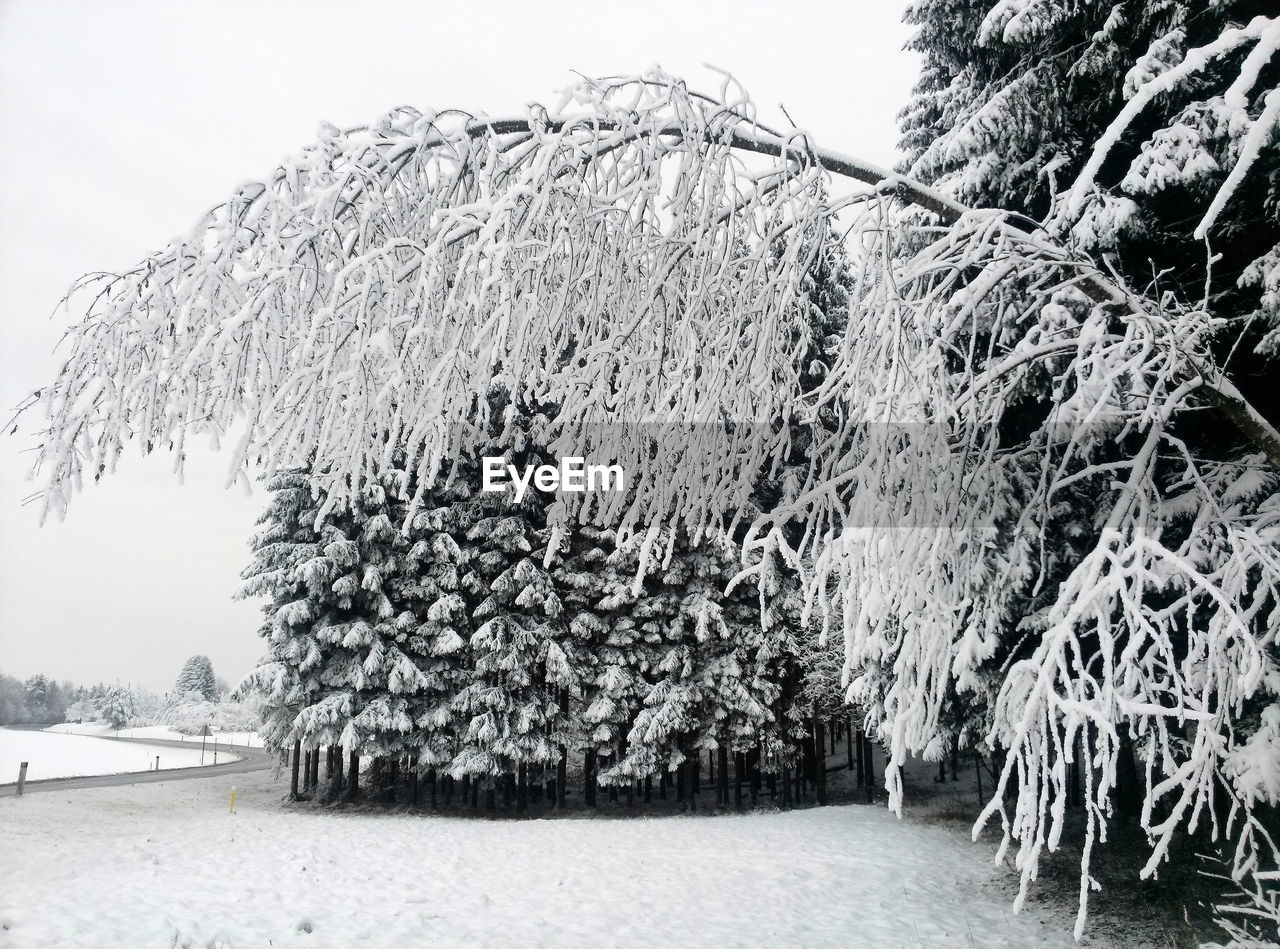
pixel 355 625
pixel 707 689
pixel 609 658
pixel 509 711
pixel 197 676
pixel 37 697
pixel 1014 95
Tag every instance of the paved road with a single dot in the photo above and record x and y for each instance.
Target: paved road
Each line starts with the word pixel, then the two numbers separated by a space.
pixel 252 759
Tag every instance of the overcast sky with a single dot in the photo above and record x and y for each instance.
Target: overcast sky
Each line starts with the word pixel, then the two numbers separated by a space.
pixel 122 121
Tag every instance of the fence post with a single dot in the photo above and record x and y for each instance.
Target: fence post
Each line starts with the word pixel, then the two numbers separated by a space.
pixel 22 777
pixel 157 762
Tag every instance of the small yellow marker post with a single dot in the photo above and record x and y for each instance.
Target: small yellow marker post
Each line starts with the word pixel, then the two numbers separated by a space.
pixel 233 799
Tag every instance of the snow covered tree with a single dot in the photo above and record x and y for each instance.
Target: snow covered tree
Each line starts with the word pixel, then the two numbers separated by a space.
pixel 287 540
pixel 988 365
pixel 1142 134
pixel 118 706
pixel 1133 126
pixel 343 625
pixel 608 657
pixel 37 689
pixel 83 710
pixel 708 687
pixel 510 715
pixel 197 676
pixel 189 713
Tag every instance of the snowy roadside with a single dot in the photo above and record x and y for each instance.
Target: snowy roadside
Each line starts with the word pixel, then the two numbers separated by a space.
pixel 52 755
pixel 167 864
pixel 102 730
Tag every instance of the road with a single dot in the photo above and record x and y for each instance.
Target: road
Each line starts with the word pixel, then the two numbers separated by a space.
pixel 252 759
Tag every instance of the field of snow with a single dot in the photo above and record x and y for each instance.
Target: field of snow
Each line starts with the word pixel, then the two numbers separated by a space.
pixel 166 864
pixel 64 756
pixel 155 731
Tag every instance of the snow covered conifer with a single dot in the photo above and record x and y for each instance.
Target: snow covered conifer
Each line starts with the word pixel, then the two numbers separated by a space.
pixel 509 710
pixel 707 688
pixel 197 676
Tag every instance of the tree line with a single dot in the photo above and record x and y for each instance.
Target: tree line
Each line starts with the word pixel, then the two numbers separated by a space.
pixel 464 637
pixel 198 698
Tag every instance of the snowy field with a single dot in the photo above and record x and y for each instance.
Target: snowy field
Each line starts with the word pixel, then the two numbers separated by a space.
pixel 167 865
pixel 51 755
pixel 156 731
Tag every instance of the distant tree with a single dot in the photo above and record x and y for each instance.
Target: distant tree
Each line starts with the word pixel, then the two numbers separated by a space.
pixel 189 713
pixel 197 676
pixel 83 710
pixel 119 706
pixel 13 707
pixel 36 697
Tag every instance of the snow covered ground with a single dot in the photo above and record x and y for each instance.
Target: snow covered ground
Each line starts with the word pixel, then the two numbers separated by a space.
pixel 154 731
pixel 52 755
pixel 166 864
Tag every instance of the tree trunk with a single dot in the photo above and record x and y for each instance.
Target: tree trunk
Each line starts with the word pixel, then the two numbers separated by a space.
pixel 589 777
pixel 862 748
pixel 739 766
pixel 820 743
pixel 562 777
pixel 1128 792
pixel 754 772
pixel 722 775
pixel 870 761
pixel 848 741
pixel 293 773
pixel 431 783
pixel 336 782
pixel 353 775
pixel 522 788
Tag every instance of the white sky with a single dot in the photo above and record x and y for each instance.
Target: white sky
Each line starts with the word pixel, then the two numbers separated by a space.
pixel 122 121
